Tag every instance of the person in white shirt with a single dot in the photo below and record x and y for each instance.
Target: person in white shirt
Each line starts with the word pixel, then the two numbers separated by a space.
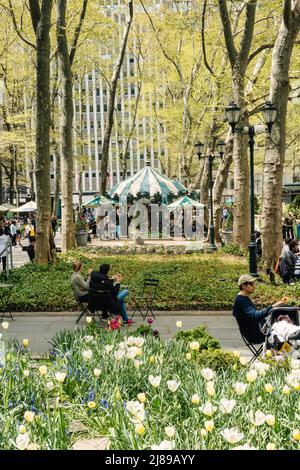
pixel 4 239
pixel 13 231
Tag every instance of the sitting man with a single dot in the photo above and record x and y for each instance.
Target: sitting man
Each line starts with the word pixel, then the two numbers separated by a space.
pixel 250 320
pixel 79 285
pixel 100 280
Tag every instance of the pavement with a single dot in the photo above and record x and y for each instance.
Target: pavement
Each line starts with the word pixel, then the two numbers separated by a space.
pixel 39 328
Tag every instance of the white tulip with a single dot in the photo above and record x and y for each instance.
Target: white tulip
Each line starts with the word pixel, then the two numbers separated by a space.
pixel 130 341
pixel 88 339
pixel 136 410
pixel 132 352
pixel 295 364
pixel 60 377
pixel 87 355
pixel 155 380
pixel 97 372
pixel 139 342
pixel 240 388
pixel 173 385
pixel 22 441
pixel 170 431
pixel 232 435
pixel 258 418
pixel 50 386
pixel 26 373
pixel 227 405
pixel 5 325
pixel 179 324
pixel 89 319
pixel 164 445
pixel 207 374
pixel 108 348
pixel 208 409
pixel 245 447
pixel 251 375
pixel 194 346
pixel 118 355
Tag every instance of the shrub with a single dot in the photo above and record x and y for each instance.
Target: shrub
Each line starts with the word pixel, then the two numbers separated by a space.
pixel 216 359
pixel 205 340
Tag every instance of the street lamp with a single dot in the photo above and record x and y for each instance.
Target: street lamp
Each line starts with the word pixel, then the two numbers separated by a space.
pixel 199 150
pixel 233 113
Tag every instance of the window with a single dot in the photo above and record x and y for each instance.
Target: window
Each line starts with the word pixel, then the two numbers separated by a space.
pixel 77 108
pixel 98 108
pixel 142 156
pixel 99 142
pixel 99 156
pixel 104 91
pixel 128 173
pixel 86 175
pixel 94 175
pixel 90 77
pixel 84 108
pixel 98 91
pixel 51 158
pixel 91 108
pixel 131 59
pixel 92 124
pixel 231 184
pixel 132 90
pixel 52 177
pixel 114 173
pixel 119 107
pixel 105 108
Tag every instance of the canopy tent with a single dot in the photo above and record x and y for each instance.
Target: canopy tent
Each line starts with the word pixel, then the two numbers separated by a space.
pixel 149 181
pixel 8 206
pixel 3 208
pixel 28 207
pixel 184 202
pixel 97 201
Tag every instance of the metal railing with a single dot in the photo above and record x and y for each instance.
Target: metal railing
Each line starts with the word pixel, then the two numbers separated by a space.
pixel 7 251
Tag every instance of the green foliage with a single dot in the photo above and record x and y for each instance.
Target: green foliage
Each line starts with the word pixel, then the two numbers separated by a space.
pixel 234 250
pixel 216 359
pixel 205 340
pixel 187 281
pixel 81 224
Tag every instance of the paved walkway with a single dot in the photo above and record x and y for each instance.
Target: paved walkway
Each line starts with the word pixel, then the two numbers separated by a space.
pixel 40 328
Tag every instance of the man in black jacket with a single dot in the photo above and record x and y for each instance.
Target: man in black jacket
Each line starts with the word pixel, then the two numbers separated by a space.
pixel 114 302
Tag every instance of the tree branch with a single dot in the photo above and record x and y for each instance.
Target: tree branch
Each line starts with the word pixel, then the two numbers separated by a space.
pixel 77 31
pixel 232 53
pixel 259 50
pixel 12 14
pixel 248 32
pixel 203 39
pixel 35 12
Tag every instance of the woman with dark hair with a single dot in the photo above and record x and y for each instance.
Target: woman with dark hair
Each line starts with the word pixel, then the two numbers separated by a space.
pixel 288 262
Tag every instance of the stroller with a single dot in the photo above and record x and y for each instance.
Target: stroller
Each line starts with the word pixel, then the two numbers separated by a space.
pixel 275 313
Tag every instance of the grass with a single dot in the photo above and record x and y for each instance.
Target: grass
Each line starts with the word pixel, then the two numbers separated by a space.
pixel 187 282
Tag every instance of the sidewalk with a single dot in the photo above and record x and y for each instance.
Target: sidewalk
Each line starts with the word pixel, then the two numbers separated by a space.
pixel 40 328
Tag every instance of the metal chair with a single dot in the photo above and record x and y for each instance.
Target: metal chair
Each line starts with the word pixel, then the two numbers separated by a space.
pixel 144 303
pixel 255 348
pixel 5 294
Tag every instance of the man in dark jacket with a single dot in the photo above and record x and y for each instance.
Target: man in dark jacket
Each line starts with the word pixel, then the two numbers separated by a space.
pixel 248 317
pixel 115 302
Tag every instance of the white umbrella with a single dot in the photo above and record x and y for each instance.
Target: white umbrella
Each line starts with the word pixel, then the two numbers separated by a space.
pixel 184 202
pixel 28 207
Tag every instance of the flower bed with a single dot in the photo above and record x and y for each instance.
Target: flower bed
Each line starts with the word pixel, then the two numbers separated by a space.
pixel 143 393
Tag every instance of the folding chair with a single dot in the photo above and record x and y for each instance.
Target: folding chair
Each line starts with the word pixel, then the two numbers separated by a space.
pixel 144 303
pixel 255 348
pixel 5 294
pixel 84 310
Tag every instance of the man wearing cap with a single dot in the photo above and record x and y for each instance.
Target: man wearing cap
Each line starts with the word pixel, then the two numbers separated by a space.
pixel 248 317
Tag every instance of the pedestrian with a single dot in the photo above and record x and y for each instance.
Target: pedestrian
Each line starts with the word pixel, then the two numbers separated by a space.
pixel 287 227
pixel 4 240
pixel 30 231
pixel 54 225
pixel 13 232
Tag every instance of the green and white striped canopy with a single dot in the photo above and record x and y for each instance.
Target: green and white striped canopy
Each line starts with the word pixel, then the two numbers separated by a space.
pixel 150 181
pixel 183 202
pixel 98 201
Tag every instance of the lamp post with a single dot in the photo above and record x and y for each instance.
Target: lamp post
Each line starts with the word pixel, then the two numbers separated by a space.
pixel 233 113
pixel 199 150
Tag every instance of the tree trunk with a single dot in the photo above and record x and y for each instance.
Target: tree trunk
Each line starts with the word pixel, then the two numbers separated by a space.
pixel 41 18
pixel 67 224
pixel 276 143
pixel 111 102
pixel 1 184
pixel 219 185
pixel 56 184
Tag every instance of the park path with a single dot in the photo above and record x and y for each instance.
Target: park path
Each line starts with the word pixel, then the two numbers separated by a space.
pixel 39 328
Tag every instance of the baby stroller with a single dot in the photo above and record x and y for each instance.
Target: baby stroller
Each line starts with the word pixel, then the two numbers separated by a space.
pixel 274 316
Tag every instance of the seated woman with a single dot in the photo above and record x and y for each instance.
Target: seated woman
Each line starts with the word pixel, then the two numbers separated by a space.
pixel 79 285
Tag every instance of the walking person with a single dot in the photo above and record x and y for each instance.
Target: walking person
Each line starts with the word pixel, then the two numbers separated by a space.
pixel 13 232
pixel 288 262
pixel 4 240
